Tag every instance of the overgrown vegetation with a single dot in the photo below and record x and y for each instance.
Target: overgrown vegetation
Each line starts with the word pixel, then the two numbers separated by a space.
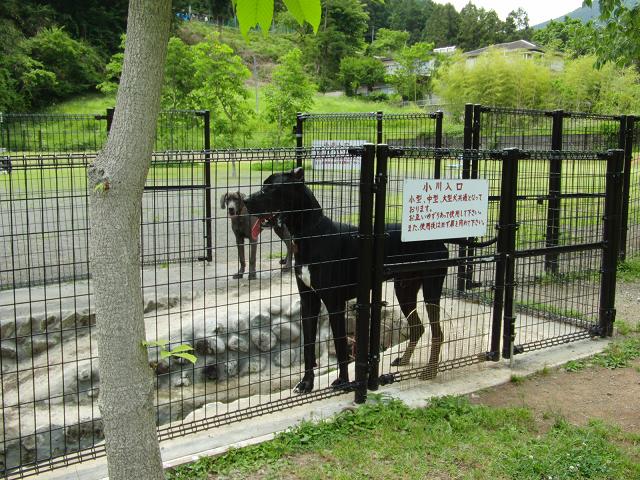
pixel 451 438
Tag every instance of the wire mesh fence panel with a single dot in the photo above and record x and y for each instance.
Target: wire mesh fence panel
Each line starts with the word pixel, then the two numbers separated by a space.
pixel 180 130
pixel 557 286
pixel 464 314
pixel 43 208
pixel 409 129
pixel 25 134
pixel 358 128
pixel 241 311
pixel 590 132
pixel 398 129
pixel 633 232
pixel 508 128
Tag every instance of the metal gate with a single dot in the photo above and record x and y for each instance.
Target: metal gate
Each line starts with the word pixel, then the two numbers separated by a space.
pixel 513 303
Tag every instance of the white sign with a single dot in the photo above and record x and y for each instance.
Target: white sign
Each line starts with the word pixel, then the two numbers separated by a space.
pixel 334 154
pixel 448 208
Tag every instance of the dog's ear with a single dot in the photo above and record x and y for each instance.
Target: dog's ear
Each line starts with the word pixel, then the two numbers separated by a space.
pixel 223 200
pixel 241 196
pixel 298 174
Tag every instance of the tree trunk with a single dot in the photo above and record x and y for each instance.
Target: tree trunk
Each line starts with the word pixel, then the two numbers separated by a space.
pixel 116 181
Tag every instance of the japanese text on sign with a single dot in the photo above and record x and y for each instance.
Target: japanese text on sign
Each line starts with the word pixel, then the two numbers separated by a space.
pixel 334 154
pixel 437 209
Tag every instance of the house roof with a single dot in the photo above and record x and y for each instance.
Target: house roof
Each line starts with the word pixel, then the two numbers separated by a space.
pixel 517 45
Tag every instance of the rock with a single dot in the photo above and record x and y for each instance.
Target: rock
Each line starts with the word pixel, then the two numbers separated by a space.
pixel 150 305
pixel 260 320
pixel 209 346
pixel 257 364
pixel 275 306
pixel 24 326
pixel 238 343
pixel 265 340
pixel 68 319
pixel 8 350
pixel 285 358
pixel 84 434
pixel 210 372
pixel 230 368
pixel 85 318
pixel 243 322
pixel 50 322
pixel 182 381
pixel 286 331
pixel 293 310
pixel 39 344
pixel 7 328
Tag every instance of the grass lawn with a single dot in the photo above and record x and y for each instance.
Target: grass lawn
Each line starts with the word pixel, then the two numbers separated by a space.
pixel 451 438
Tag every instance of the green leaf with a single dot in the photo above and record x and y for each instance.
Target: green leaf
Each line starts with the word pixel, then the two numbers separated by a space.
pixel 254 12
pixel 186 356
pixel 165 353
pixel 156 343
pixel 312 12
pixel 182 348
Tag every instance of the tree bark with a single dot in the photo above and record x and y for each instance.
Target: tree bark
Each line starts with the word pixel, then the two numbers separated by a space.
pixel 116 181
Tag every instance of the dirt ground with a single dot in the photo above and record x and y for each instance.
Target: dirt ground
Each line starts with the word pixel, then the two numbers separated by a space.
pixel 593 393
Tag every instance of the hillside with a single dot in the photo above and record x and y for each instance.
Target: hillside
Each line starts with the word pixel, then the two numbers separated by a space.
pixel 584 14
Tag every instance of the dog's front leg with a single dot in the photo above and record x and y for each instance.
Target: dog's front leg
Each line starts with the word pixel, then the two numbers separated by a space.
pixel 285 236
pixel 337 320
pixel 240 244
pixel 310 308
pixel 253 250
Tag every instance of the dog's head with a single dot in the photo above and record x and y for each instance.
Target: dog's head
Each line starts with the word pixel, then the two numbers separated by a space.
pixel 283 193
pixel 233 203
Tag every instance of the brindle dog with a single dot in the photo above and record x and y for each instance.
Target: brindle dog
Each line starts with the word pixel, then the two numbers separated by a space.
pixel 248 227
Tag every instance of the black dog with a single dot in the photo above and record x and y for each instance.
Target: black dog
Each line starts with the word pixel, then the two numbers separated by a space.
pixel 248 227
pixel 326 255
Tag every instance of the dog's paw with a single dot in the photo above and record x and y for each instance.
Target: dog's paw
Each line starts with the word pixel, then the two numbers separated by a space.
pixel 399 362
pixel 305 386
pixel 252 276
pixel 341 384
pixel 283 261
pixel 237 275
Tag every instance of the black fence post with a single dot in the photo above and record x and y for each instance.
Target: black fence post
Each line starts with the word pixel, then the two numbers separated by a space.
pixel 466 173
pixel 299 133
pixel 207 179
pixel 507 236
pixel 439 115
pixel 475 146
pixel 379 127
pixel 555 186
pixel 611 235
pixel 365 243
pixel 626 143
pixel 110 112
pixel 379 236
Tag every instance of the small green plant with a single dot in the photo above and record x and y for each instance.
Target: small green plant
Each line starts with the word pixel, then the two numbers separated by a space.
pixel 545 371
pixel 629 270
pixel 624 328
pixel 181 351
pixel 516 379
pixel 575 366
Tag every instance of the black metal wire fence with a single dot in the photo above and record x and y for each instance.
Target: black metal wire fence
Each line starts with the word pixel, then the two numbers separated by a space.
pixel 547 280
pixel 49 133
